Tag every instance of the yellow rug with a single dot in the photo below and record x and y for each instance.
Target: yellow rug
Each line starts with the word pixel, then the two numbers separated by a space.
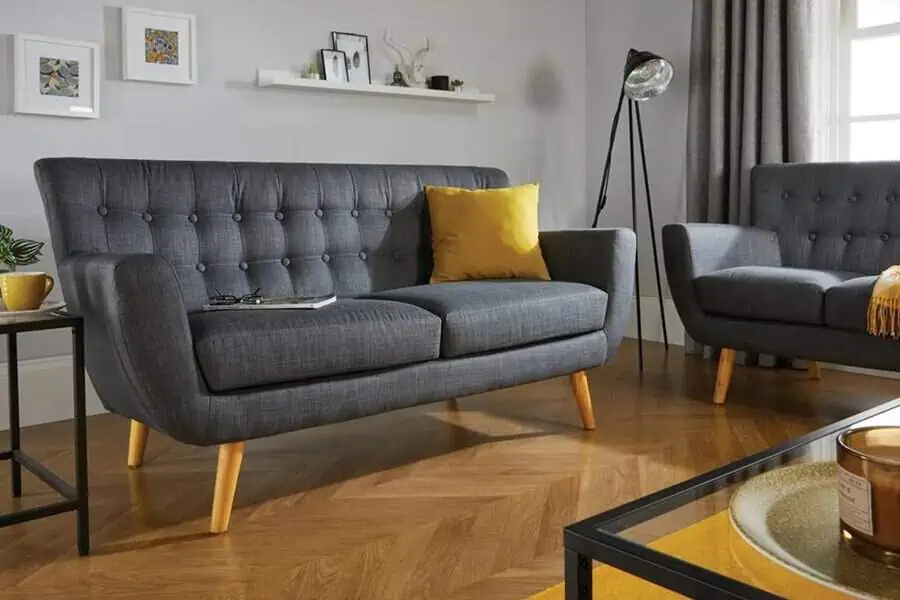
pixel 714 544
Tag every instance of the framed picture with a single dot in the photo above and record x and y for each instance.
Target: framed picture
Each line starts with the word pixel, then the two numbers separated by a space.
pixel 334 65
pixel 56 77
pixel 356 47
pixel 159 46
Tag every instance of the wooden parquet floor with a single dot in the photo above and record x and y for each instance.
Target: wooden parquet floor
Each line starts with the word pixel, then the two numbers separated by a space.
pixel 432 502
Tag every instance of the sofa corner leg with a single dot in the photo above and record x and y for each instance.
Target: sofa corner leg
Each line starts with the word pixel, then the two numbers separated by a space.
pixel 723 376
pixel 815 371
pixel 137 443
pixel 227 471
pixel 582 391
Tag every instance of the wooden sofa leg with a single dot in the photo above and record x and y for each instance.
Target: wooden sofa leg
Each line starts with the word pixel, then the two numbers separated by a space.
pixel 723 377
pixel 815 372
pixel 582 391
pixel 229 466
pixel 137 443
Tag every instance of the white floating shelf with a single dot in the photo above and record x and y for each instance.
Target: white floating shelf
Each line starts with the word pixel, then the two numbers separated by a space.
pixel 287 79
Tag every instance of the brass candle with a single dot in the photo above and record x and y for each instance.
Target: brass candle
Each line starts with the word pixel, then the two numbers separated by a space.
pixel 869 491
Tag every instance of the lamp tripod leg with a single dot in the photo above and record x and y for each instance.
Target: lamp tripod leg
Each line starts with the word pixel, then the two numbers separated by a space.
pixel 604 183
pixel 659 293
pixel 637 272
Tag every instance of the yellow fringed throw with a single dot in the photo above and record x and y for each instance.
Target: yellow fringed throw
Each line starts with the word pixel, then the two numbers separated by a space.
pixel 884 305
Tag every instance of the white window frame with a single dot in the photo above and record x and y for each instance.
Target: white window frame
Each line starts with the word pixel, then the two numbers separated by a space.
pixel 849 33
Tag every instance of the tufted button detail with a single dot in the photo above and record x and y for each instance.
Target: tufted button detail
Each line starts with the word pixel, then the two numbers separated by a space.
pixel 398 256
pixel 847 237
pixel 147 217
pixel 884 237
pixel 326 259
pixel 237 217
pixel 785 195
pixel 102 211
pixel 354 213
pixel 891 198
pixel 853 198
pixel 319 212
pixel 813 236
pixel 243 266
pixel 389 213
pixel 279 216
pixel 201 267
pixel 818 199
pixel 286 261
pixel 192 217
pixel 363 255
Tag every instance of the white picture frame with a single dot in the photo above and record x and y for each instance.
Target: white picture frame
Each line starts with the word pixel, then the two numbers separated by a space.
pixel 56 77
pixel 159 46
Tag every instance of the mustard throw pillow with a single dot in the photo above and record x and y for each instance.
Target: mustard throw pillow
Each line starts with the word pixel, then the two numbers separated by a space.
pixel 485 234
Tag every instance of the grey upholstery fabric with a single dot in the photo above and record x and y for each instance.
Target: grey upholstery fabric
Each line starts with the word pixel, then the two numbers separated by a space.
pixel 834 216
pixel 302 229
pixel 141 244
pixel 246 348
pixel 768 293
pixel 479 316
pixel 847 304
pixel 603 258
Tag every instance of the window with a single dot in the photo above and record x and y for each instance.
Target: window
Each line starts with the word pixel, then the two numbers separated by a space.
pixel 870 81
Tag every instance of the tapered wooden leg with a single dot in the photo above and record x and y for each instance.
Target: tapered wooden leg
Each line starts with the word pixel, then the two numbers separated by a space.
pixel 723 378
pixel 137 443
pixel 230 456
pixel 452 405
pixel 582 391
pixel 815 372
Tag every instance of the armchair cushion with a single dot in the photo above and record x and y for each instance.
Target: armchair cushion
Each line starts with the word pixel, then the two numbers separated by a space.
pixel 847 303
pixel 481 316
pixel 245 348
pixel 769 293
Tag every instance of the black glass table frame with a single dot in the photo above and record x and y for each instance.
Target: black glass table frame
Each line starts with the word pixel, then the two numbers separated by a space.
pixel 598 538
pixel 74 498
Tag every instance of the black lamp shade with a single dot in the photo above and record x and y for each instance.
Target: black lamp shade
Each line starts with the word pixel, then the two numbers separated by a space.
pixel 647 75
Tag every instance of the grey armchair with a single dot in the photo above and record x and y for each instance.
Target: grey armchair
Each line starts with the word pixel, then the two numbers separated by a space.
pixel 141 245
pixel 797 282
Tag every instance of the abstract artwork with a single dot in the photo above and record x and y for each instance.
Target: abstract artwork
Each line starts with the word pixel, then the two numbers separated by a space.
pixel 56 77
pixel 160 46
pixel 59 77
pixel 356 47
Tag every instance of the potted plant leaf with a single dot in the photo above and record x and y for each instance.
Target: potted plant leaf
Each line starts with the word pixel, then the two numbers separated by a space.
pixel 17 253
pixel 457 85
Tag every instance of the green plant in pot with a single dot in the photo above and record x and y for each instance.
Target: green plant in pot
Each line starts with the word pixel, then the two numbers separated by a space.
pixel 17 253
pixel 457 85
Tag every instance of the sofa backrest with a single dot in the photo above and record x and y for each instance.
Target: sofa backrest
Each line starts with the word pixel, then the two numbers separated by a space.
pixel 304 229
pixel 838 216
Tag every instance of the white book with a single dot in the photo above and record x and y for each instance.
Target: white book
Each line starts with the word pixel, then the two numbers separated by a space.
pixel 291 303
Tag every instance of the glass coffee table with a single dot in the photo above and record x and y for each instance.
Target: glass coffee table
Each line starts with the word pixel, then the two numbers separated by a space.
pixel 681 539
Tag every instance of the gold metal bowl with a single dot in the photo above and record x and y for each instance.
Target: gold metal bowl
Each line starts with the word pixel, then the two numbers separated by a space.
pixel 869 491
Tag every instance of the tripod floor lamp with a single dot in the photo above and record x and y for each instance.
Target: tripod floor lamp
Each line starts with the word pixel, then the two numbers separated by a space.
pixel 646 76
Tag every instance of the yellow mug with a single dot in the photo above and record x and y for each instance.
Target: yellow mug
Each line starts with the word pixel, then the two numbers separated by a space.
pixel 25 291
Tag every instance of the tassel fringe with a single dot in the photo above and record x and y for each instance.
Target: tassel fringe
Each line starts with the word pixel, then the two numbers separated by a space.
pixel 883 318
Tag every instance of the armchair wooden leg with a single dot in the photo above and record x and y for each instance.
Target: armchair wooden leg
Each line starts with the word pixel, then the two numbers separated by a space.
pixel 229 466
pixel 723 378
pixel 815 372
pixel 582 390
pixel 137 443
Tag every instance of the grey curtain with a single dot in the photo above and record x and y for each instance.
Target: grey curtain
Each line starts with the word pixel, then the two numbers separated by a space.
pixel 750 99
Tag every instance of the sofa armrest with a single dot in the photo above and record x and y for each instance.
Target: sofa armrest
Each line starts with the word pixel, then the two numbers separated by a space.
pixel 602 258
pixel 694 249
pixel 139 350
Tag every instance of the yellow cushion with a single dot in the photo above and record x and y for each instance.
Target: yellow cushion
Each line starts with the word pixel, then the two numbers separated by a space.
pixel 485 234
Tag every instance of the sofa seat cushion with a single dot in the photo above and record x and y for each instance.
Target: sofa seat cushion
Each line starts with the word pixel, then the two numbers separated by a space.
pixel 784 294
pixel 247 348
pixel 483 316
pixel 847 304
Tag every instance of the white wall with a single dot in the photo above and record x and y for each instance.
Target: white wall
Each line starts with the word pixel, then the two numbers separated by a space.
pixel 530 53
pixel 613 27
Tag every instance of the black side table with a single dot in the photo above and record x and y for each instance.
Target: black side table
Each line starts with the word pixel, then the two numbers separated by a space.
pixel 76 498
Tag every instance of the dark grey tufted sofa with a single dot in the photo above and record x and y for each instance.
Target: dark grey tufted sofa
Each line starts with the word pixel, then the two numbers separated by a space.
pixel 797 283
pixel 141 245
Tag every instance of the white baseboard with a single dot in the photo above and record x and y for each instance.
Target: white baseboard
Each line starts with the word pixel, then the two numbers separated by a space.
pixel 651 323
pixel 45 392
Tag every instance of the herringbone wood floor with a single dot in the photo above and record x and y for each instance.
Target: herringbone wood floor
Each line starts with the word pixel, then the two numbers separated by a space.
pixel 429 502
